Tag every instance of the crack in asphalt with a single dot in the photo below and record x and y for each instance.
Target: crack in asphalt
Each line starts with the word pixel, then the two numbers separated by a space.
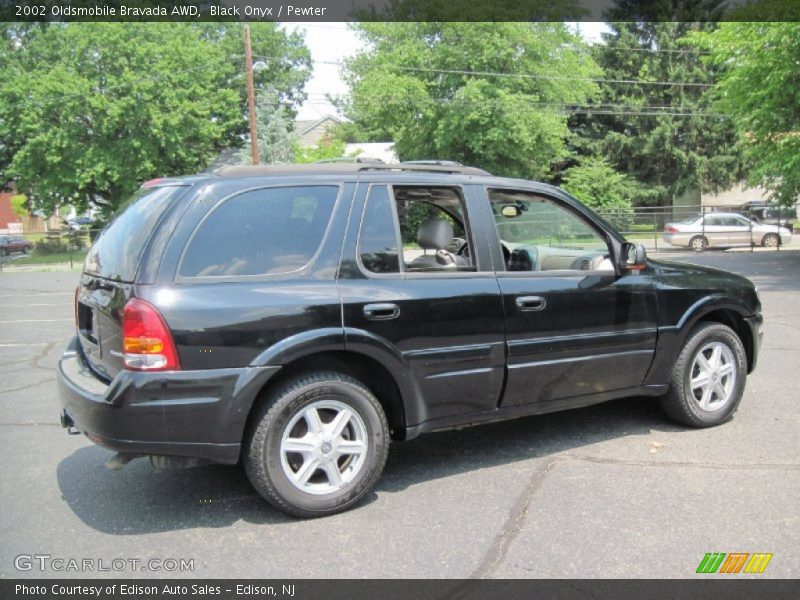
pixel 792 325
pixel 673 463
pixel 513 525
pixel 54 424
pixel 24 387
pixel 33 362
pixel 498 550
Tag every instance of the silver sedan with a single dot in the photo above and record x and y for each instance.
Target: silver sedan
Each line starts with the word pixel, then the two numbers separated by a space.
pixel 724 230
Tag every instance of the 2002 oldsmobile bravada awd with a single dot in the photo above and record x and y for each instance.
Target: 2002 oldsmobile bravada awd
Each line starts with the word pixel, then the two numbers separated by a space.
pixel 298 318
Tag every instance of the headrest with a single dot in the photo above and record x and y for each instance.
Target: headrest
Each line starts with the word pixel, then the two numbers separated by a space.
pixel 435 234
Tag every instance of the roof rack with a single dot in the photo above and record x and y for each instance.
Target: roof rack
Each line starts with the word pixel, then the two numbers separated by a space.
pixel 331 168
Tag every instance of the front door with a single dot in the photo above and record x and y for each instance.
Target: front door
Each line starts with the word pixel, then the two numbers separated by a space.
pixel 573 327
pixel 413 284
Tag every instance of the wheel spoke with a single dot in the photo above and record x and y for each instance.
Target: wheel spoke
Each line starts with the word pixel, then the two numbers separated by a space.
pixel 706 398
pixel 701 381
pixel 703 363
pixel 305 472
pixel 336 427
pixel 725 369
pixel 720 391
pixel 716 356
pixel 301 445
pixel 312 419
pixel 332 471
pixel 351 447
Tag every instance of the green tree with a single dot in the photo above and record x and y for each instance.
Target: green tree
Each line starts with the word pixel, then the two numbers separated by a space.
pixel 276 140
pixel 328 147
pixel 654 121
pixel 760 88
pixel 486 94
pixel 598 185
pixel 19 205
pixel 92 109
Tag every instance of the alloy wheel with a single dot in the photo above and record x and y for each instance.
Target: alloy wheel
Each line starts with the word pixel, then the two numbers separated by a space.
pixel 713 376
pixel 323 447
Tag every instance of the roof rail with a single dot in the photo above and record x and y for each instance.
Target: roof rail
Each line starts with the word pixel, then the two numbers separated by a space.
pixel 440 163
pixel 331 168
pixel 349 159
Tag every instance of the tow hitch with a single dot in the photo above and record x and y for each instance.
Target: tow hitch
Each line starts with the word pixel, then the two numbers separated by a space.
pixel 68 424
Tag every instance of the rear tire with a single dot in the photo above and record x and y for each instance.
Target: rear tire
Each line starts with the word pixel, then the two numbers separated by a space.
pixel 708 378
pixel 698 243
pixel 770 240
pixel 303 460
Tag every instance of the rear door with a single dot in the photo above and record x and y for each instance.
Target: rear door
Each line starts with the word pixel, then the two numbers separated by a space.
pixel 573 327
pixel 108 274
pixel 442 322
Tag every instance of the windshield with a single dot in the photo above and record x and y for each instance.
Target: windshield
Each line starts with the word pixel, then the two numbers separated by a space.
pixel 119 248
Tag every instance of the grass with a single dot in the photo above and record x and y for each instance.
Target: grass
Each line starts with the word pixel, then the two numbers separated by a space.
pixel 50 259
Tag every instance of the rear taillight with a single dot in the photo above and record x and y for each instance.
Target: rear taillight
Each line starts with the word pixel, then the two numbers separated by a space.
pixel 146 341
pixel 671 230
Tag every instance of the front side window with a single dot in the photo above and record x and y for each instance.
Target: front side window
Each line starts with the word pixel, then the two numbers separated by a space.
pixel 537 234
pixel 260 232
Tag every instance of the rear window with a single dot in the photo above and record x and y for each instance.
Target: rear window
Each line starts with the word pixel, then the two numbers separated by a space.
pixel 260 232
pixel 119 248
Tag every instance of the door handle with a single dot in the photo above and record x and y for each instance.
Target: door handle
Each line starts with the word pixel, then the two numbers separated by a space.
pixel 531 302
pixel 383 311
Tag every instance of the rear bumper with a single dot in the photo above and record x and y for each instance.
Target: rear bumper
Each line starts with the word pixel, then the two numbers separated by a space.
pixel 197 414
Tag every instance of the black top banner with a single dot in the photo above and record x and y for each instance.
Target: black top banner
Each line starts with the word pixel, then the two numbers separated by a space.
pixel 398 10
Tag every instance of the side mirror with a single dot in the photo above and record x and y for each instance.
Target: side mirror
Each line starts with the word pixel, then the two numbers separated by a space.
pixel 634 257
pixel 510 211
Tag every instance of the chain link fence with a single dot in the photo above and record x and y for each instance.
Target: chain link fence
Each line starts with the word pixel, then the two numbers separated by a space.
pixel 699 227
pixel 660 229
pixel 63 248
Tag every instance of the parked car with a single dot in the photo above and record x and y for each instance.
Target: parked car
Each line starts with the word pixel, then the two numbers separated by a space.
pixel 78 223
pixel 724 230
pixel 769 213
pixel 298 318
pixel 14 243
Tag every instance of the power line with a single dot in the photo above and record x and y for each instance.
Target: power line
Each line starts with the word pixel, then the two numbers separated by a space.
pixel 652 50
pixel 519 75
pixel 570 105
pixel 563 108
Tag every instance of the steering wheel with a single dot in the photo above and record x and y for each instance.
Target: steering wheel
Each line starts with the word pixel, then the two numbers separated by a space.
pixel 463 250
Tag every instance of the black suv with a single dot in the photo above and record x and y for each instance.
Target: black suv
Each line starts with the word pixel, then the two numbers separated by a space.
pixel 298 318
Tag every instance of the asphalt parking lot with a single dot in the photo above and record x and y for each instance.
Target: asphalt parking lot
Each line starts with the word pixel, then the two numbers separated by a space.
pixel 613 490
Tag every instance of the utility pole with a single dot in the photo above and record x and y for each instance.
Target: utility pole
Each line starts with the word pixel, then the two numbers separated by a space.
pixel 251 93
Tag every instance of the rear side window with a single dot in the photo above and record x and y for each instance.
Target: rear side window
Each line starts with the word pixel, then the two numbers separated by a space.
pixel 377 244
pixel 260 232
pixel 119 247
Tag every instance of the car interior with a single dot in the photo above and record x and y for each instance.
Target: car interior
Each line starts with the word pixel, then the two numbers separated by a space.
pixel 539 235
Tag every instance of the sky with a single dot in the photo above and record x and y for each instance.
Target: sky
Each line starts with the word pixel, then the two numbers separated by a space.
pixel 333 42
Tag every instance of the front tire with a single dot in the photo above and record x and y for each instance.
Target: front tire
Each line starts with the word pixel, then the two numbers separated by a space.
pixel 708 378
pixel 317 444
pixel 770 241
